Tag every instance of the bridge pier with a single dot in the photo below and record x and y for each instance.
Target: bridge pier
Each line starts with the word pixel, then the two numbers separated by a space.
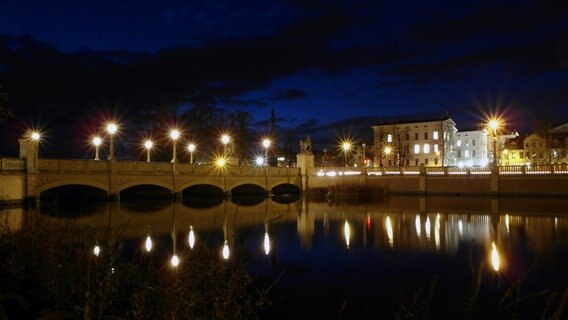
pixel 114 197
pixel 177 196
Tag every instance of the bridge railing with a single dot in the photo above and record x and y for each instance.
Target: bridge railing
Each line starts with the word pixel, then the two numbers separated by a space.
pixel 11 164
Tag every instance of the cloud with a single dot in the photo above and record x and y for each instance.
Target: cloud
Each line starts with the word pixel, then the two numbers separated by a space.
pixel 290 94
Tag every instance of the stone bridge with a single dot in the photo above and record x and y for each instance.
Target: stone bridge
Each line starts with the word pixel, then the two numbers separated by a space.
pixel 114 176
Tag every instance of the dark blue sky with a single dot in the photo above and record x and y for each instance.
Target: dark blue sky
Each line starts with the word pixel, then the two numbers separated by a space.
pixel 323 66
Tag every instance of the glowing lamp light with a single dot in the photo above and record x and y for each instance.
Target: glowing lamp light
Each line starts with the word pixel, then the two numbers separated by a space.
pixel 418 227
pixel 35 136
pixel 97 250
pixel 266 143
pixel 266 243
pixel 148 244
pixel 191 147
pixel 148 144
pixel 259 161
pixel 226 250
pixel 191 237
pixel 388 150
pixel 221 162
pixel 112 128
pixel 225 139
pixel 175 260
pixel 495 257
pixel 97 141
pixel 174 134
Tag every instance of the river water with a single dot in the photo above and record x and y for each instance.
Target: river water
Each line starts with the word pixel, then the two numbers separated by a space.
pixel 405 256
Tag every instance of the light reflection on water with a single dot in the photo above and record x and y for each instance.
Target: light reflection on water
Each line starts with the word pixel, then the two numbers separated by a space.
pixel 343 252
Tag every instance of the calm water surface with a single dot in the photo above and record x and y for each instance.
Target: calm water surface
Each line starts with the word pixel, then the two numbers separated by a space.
pixel 403 256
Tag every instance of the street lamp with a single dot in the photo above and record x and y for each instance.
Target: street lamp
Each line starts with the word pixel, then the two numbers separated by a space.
pixel 346 146
pixel 364 157
pixel 111 129
pixel 35 136
pixel 148 144
pixel 387 151
pixel 266 145
pixel 225 139
pixel 191 148
pixel 494 125
pixel 324 157
pixel 97 141
pixel 174 134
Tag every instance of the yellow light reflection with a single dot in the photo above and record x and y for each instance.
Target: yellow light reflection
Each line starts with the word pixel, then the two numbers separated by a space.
pixel 266 243
pixel 148 244
pixel 175 260
pixel 191 237
pixel 437 231
pixel 427 227
pixel 226 250
pixel 495 257
pixel 460 229
pixel 390 235
pixel 417 224
pixel 507 223
pixel 347 233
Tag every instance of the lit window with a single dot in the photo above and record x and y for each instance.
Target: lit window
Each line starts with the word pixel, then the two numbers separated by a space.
pixel 436 148
pixel 459 143
pixel 426 148
pixel 466 153
pixel 389 137
pixel 435 135
pixel 416 148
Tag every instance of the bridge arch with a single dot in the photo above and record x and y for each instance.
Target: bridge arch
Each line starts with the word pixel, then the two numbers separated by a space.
pixel 201 182
pixel 137 183
pixel 70 182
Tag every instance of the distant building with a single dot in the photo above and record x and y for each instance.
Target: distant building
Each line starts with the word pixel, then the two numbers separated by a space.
pixel 427 142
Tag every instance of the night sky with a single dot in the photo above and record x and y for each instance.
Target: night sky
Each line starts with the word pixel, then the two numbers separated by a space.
pixel 327 68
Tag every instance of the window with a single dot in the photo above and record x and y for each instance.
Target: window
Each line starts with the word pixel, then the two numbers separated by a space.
pixel 521 154
pixel 407 162
pixel 416 162
pixel 459 143
pixel 466 142
pixel 435 161
pixel 407 136
pixel 526 145
pixel 425 135
pixel 473 153
pixel 473 142
pixel 426 148
pixel 416 136
pixel 466 153
pixel 459 154
pixel 435 135
pixel 426 161
pixel 390 163
pixel 416 148
pixel 436 149
pixel 389 137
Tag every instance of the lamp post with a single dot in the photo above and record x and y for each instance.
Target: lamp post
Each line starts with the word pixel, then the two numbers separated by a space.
pixel 97 141
pixel 148 144
pixel 174 134
pixel 111 129
pixel 387 151
pixel 324 157
pixel 364 157
pixel 346 147
pixel 35 136
pixel 266 145
pixel 225 139
pixel 494 125
pixel 191 148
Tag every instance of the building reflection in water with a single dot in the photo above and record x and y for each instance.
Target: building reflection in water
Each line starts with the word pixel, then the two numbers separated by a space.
pixel 403 225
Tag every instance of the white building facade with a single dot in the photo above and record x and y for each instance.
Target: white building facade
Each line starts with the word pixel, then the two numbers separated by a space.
pixel 429 143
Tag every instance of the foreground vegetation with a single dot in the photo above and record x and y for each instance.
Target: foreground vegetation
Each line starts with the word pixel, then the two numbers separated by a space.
pixel 49 271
